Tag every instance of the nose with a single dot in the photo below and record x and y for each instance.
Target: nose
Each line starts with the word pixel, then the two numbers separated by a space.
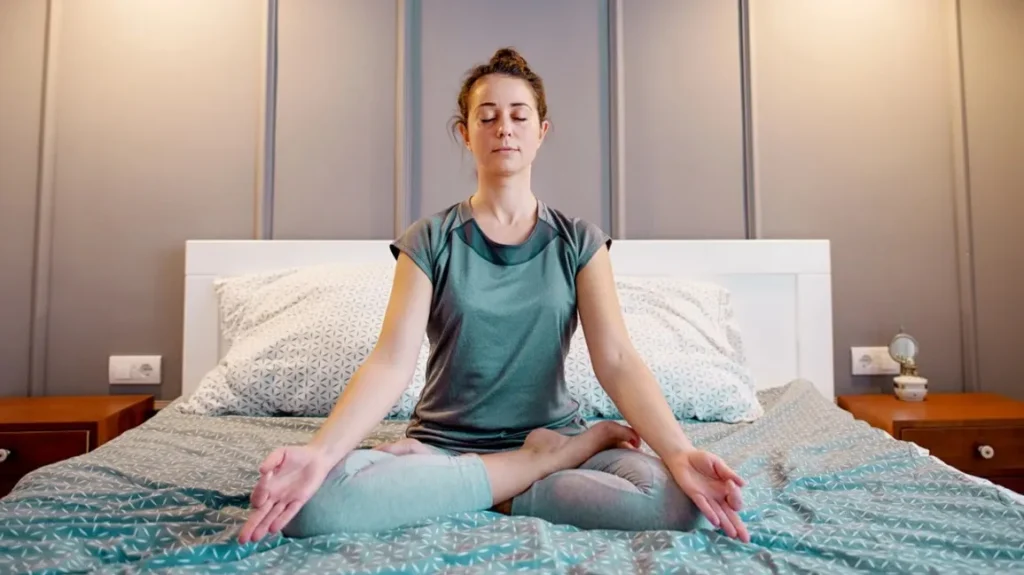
pixel 503 128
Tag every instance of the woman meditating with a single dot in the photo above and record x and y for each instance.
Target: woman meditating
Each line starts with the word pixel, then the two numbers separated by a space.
pixel 497 282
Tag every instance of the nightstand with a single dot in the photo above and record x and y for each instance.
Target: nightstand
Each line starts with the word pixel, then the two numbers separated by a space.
pixel 978 433
pixel 38 431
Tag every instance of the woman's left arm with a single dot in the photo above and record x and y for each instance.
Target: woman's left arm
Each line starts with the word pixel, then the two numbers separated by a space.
pixel 631 385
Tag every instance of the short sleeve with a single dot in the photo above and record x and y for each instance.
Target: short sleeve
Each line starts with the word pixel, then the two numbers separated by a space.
pixel 417 242
pixel 589 239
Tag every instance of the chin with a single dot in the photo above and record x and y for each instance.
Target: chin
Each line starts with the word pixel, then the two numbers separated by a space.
pixel 503 168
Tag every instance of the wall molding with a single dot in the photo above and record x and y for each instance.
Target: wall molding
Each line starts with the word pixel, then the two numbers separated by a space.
pixel 43 244
pixel 263 214
pixel 962 206
pixel 404 142
pixel 751 214
pixel 617 120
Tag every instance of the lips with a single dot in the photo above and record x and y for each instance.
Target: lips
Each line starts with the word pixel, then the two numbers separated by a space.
pixel 505 149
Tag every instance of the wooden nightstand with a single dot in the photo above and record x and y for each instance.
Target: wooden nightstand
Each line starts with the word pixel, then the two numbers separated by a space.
pixel 977 433
pixel 38 431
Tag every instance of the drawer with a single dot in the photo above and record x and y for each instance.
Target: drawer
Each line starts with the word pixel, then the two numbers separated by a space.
pixel 24 451
pixel 975 450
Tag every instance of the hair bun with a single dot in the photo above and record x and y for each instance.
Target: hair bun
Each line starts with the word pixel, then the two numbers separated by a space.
pixel 509 58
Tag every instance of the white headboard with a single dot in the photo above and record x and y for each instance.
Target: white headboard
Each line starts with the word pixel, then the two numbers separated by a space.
pixel 781 292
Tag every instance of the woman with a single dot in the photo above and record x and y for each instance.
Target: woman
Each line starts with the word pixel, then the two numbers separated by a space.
pixel 496 282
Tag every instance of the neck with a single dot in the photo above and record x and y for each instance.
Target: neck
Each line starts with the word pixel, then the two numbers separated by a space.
pixel 508 199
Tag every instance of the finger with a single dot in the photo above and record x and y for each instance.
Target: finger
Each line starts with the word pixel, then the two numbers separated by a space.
pixel 260 492
pixel 723 471
pixel 705 507
pixel 734 498
pixel 741 529
pixel 289 512
pixel 273 460
pixel 256 515
pixel 724 520
pixel 264 524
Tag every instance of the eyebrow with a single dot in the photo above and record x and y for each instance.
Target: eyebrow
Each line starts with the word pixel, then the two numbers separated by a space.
pixel 493 105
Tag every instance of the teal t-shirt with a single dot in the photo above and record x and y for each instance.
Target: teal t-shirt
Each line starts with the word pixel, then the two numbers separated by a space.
pixel 501 319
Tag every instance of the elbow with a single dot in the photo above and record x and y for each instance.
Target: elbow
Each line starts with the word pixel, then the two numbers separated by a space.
pixel 402 363
pixel 611 366
pixel 394 357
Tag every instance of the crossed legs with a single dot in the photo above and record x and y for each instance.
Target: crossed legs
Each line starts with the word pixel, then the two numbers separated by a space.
pixel 583 481
pixel 404 483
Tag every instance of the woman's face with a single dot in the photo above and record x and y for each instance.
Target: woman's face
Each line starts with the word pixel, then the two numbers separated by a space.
pixel 503 129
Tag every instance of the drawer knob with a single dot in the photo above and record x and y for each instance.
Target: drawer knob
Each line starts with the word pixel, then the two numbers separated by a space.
pixel 986 451
pixel 4 453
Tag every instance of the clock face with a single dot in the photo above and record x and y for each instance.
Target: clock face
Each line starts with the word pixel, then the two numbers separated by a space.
pixel 903 348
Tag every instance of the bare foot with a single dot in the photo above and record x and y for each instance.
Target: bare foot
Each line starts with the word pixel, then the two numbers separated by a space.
pixel 405 446
pixel 545 452
pixel 564 452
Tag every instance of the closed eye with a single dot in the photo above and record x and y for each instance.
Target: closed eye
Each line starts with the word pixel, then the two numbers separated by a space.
pixel 489 120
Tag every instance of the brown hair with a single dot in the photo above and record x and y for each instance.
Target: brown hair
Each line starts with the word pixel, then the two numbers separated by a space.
pixel 506 61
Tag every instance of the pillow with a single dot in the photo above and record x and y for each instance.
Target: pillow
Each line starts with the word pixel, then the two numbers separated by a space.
pixel 686 333
pixel 294 339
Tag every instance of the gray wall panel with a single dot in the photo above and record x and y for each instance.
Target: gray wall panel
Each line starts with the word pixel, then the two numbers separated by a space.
pixel 993 56
pixel 855 117
pixel 156 144
pixel 852 132
pixel 683 120
pixel 564 43
pixel 22 43
pixel 335 148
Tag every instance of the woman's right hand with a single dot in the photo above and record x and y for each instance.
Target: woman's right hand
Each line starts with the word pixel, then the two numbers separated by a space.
pixel 289 476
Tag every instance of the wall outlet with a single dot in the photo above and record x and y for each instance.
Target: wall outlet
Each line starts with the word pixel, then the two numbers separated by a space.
pixel 873 361
pixel 134 369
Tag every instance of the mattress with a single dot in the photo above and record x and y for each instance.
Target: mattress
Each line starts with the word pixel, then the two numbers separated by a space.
pixel 825 494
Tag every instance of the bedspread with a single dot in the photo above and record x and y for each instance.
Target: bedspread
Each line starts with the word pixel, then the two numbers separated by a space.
pixel 825 494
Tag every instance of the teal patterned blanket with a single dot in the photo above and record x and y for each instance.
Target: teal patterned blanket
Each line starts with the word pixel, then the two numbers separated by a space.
pixel 826 494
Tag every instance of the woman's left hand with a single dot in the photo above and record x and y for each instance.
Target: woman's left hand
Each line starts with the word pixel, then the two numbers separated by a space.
pixel 713 487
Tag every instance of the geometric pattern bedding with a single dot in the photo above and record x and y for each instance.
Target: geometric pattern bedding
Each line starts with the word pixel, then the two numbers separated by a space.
pixel 826 494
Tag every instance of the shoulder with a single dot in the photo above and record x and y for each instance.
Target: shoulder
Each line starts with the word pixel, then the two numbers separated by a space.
pixel 583 237
pixel 425 238
pixel 431 226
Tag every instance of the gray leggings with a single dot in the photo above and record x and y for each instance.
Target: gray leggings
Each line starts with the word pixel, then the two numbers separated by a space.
pixel 374 491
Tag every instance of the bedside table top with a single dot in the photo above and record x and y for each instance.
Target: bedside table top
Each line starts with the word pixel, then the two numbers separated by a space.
pixel 946 408
pixel 68 409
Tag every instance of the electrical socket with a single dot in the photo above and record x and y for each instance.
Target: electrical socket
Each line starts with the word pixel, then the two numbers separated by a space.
pixel 134 369
pixel 873 361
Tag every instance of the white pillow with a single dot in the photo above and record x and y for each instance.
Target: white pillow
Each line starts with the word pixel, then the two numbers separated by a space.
pixel 295 339
pixel 686 333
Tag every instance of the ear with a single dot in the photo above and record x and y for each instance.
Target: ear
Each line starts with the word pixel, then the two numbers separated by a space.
pixel 465 134
pixel 544 129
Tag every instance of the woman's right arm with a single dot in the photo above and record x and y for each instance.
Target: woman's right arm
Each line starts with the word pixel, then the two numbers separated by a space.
pixel 380 380
pixel 290 475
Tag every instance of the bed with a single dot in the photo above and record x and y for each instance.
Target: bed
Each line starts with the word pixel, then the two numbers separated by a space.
pixel 825 494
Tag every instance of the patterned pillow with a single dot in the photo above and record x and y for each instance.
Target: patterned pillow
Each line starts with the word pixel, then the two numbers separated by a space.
pixel 295 339
pixel 686 333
